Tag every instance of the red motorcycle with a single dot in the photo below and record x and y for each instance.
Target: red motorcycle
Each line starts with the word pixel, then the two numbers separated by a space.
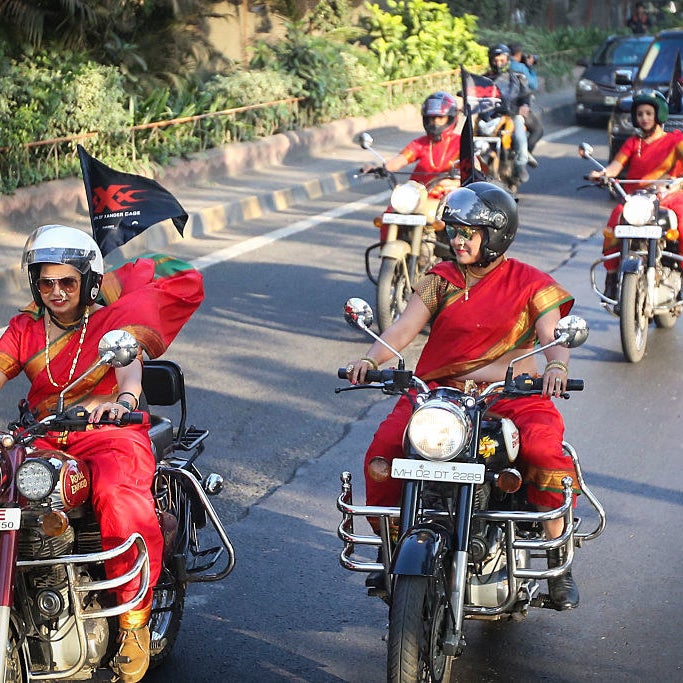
pixel 58 620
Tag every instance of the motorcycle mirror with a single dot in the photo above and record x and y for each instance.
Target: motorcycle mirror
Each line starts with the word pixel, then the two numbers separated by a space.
pixel 364 139
pixel 571 331
pixel 585 150
pixel 358 313
pixel 118 348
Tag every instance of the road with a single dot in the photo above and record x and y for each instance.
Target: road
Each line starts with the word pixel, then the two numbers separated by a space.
pixel 260 361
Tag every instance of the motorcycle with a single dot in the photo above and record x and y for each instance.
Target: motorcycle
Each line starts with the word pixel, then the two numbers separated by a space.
pixel 412 241
pixel 462 542
pixel 494 146
pixel 649 277
pixel 58 620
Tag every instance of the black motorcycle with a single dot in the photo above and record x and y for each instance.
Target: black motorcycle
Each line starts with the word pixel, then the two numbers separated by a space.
pixel 463 541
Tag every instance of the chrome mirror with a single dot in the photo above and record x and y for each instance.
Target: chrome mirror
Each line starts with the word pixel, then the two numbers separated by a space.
pixel 118 348
pixel 571 331
pixel 358 313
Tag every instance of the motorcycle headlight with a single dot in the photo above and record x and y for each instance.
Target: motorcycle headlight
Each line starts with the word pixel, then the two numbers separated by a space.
pixel 639 210
pixel 407 197
pixel 439 431
pixel 36 478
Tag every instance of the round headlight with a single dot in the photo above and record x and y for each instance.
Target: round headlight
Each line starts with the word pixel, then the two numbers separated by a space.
pixel 586 85
pixel 407 197
pixel 439 431
pixel 639 210
pixel 36 479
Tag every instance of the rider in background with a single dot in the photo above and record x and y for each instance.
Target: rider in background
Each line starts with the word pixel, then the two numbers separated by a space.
pixel 516 96
pixel 523 64
pixel 484 310
pixel 53 341
pixel 652 154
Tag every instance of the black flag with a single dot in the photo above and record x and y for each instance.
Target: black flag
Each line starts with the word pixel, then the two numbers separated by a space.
pixel 468 172
pixel 676 88
pixel 123 205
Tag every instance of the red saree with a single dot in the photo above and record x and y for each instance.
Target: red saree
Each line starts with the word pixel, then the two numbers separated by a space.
pixel 499 315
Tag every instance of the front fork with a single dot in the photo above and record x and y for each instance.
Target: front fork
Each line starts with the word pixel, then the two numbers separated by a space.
pixel 634 264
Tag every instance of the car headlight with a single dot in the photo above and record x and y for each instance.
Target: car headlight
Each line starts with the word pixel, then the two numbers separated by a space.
pixel 639 210
pixel 439 431
pixel 36 478
pixel 586 85
pixel 407 197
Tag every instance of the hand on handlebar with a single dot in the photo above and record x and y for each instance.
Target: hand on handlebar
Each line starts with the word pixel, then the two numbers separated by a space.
pixel 554 382
pixel 109 409
pixel 376 170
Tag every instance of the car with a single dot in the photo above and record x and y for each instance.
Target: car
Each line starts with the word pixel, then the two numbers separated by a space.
pixel 596 90
pixel 655 72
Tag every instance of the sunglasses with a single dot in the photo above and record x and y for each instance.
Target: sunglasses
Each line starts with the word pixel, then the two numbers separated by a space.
pixel 65 284
pixel 460 231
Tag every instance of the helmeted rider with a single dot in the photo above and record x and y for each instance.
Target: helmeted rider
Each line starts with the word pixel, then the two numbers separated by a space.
pixel 516 96
pixel 438 151
pixel 651 154
pixel 496 308
pixel 54 341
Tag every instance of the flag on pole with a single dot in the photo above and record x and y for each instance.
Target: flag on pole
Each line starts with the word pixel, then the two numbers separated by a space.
pixel 480 94
pixel 123 205
pixel 468 172
pixel 676 87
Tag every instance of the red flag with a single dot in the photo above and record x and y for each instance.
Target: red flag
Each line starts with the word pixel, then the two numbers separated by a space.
pixel 480 94
pixel 123 205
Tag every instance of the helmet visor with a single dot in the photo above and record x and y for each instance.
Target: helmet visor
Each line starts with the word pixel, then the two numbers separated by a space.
pixel 464 207
pixel 80 259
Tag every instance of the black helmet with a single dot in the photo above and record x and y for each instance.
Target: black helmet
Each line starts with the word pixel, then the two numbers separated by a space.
pixel 70 246
pixel 494 51
pixel 439 103
pixel 654 98
pixel 483 205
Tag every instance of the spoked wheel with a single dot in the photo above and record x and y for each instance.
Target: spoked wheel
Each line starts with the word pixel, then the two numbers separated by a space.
pixel 417 623
pixel 633 323
pixel 393 291
pixel 167 613
pixel 14 669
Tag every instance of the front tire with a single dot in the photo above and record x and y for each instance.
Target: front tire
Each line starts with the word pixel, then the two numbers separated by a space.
pixel 417 623
pixel 393 291
pixel 633 323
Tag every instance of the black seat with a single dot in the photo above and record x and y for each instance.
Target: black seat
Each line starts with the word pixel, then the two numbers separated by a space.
pixel 163 385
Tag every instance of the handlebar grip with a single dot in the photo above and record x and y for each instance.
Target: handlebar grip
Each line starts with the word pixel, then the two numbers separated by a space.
pixel 370 375
pixel 132 418
pixel 572 384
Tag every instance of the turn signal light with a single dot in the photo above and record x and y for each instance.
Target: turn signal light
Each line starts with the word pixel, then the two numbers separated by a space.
pixel 672 235
pixel 379 469
pixel 608 232
pixel 508 480
pixel 438 225
pixel 377 221
pixel 54 523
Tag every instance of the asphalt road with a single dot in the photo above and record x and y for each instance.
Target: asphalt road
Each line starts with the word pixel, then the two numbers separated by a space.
pixel 260 361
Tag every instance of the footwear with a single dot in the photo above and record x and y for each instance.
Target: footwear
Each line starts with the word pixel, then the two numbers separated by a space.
pixel 532 161
pixel 132 660
pixel 564 593
pixel 522 174
pixel 611 280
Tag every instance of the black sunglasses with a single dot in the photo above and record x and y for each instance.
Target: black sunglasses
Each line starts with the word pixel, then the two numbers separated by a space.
pixel 460 231
pixel 65 284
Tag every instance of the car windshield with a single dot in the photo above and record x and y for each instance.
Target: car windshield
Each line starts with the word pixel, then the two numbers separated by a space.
pixel 621 53
pixel 658 64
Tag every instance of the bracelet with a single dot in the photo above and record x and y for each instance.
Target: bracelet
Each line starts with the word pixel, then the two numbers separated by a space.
pixel 557 365
pixel 125 403
pixel 371 362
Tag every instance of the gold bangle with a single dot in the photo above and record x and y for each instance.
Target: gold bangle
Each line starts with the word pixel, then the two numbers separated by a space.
pixel 557 365
pixel 372 362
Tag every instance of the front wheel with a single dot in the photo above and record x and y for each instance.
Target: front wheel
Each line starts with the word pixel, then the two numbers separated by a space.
pixel 393 291
pixel 418 621
pixel 633 322
pixel 14 664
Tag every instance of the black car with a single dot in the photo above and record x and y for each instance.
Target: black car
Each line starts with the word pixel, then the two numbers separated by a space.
pixel 596 90
pixel 655 71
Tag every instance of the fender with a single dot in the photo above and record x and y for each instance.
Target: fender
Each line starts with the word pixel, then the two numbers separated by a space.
pixel 632 264
pixel 397 249
pixel 417 551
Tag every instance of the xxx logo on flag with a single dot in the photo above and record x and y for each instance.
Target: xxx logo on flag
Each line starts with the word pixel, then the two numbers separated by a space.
pixel 115 198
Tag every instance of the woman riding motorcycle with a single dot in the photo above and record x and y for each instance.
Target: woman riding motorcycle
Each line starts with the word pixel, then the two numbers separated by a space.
pixel 54 340
pixel 485 310
pixel 652 154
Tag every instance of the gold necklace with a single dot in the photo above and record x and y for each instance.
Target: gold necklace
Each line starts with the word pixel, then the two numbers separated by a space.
pixel 443 154
pixel 78 352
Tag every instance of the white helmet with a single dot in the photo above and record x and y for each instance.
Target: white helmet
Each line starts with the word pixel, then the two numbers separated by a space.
pixel 70 246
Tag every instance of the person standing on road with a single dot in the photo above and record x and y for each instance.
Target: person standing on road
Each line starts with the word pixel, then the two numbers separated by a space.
pixel 484 310
pixel 652 154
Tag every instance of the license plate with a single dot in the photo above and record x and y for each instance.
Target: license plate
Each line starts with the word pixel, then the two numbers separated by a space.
pixel 404 219
pixel 609 100
pixel 645 232
pixel 10 519
pixel 451 472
